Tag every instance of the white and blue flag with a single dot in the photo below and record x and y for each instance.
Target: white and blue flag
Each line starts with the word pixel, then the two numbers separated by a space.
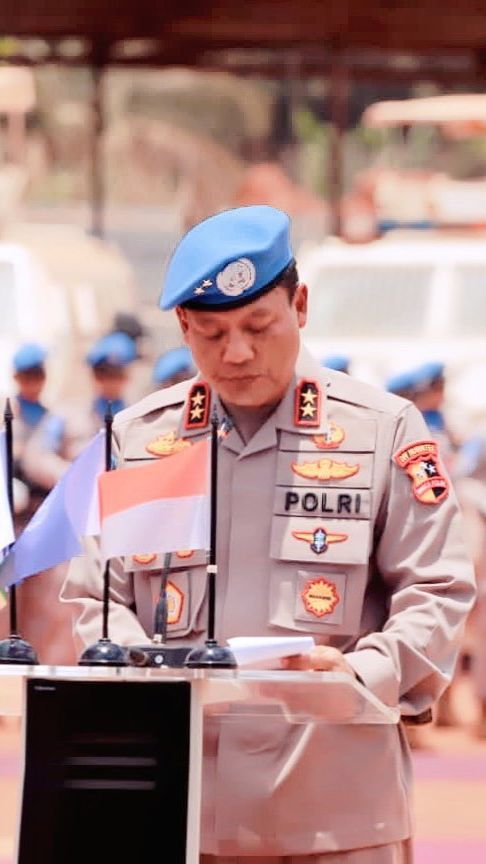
pixel 69 513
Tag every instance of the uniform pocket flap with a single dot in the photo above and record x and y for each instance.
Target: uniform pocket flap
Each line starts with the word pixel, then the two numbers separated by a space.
pixel 350 435
pixel 340 541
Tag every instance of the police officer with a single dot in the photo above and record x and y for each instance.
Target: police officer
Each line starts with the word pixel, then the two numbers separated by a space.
pixel 336 519
pixel 174 366
pixel 56 441
pixel 30 376
pixel 424 385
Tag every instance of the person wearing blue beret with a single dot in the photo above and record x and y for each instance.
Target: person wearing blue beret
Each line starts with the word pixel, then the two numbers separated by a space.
pixel 30 375
pixel 172 367
pixel 338 362
pixel 110 359
pixel 336 521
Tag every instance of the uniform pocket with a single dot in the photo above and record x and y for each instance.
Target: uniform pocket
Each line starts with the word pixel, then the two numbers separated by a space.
pixel 322 600
pixel 186 591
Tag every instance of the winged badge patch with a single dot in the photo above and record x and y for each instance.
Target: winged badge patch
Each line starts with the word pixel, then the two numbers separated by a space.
pixel 320 539
pixel 166 445
pixel 325 469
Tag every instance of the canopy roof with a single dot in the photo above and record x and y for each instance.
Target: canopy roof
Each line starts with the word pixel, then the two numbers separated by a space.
pixel 183 30
pixel 453 111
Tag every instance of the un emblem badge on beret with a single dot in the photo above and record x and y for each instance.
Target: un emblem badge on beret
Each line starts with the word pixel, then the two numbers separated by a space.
pixel 236 277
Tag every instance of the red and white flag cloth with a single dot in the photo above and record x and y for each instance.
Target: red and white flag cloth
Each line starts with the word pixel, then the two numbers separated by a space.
pixel 160 507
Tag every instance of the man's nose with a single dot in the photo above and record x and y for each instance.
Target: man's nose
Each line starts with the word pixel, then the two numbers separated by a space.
pixel 238 349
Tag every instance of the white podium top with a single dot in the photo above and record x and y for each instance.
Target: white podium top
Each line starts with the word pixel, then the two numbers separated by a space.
pixel 326 697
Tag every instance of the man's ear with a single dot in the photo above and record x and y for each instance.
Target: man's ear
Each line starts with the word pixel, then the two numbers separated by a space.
pixel 182 318
pixel 300 303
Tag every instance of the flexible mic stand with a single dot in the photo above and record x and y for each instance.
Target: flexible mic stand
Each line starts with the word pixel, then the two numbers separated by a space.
pixel 158 653
pixel 104 652
pixel 13 649
pixel 211 654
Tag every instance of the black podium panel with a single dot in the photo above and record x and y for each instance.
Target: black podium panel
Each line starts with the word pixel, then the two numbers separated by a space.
pixel 106 772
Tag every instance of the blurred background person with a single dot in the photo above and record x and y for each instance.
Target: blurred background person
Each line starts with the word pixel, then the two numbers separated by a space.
pixel 424 385
pixel 470 486
pixel 57 440
pixel 173 366
pixel 338 362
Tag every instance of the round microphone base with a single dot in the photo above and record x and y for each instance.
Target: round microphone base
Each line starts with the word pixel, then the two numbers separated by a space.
pixel 158 655
pixel 211 656
pixel 17 650
pixel 103 653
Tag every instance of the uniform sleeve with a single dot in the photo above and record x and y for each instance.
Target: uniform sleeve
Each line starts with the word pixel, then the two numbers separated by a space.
pixel 83 587
pixel 421 559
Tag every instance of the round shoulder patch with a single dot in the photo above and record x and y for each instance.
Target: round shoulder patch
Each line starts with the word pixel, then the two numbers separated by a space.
pixel 236 277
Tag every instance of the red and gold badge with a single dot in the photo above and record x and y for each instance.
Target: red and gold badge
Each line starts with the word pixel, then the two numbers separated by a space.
pixel 166 445
pixel 197 407
pixel 331 439
pixel 325 469
pixel 175 603
pixel 144 559
pixel 319 596
pixel 420 460
pixel 319 539
pixel 307 407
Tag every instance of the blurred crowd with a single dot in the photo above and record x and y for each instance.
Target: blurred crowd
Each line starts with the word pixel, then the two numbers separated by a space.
pixel 47 439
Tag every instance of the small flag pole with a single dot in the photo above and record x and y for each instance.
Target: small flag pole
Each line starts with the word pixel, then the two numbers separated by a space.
pixel 212 654
pixel 104 652
pixel 13 649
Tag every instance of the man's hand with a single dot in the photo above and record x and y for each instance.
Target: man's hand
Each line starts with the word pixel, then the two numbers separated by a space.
pixel 322 658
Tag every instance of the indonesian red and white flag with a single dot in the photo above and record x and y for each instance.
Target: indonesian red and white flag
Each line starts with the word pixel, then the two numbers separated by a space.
pixel 159 507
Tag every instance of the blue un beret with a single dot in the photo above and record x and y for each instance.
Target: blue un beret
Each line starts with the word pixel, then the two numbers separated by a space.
pixel 29 356
pixel 115 349
pixel 339 362
pixel 229 259
pixel 417 379
pixel 173 361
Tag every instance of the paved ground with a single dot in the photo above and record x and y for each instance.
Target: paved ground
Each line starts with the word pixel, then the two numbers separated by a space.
pixel 450 791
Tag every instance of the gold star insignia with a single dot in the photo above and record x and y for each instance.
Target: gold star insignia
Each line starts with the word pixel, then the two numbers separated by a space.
pixel 308 410
pixel 207 283
pixel 199 290
pixel 309 396
pixel 196 413
pixel 198 399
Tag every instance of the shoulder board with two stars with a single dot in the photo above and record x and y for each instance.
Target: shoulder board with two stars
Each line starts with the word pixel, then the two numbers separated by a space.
pixel 307 405
pixel 197 406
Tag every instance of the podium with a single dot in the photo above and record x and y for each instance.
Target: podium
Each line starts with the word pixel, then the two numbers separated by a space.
pixel 112 757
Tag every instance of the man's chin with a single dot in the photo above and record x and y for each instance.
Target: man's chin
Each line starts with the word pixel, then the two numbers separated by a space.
pixel 254 395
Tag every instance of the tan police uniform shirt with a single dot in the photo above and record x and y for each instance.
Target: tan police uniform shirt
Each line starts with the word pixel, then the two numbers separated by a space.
pixel 320 531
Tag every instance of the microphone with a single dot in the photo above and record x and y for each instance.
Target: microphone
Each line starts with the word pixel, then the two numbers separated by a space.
pixel 211 654
pixel 13 649
pixel 104 652
pixel 158 653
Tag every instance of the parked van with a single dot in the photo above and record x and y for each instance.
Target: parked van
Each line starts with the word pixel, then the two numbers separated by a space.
pixel 399 301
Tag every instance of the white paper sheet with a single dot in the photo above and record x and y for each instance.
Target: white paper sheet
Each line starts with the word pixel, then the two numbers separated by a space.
pixel 252 650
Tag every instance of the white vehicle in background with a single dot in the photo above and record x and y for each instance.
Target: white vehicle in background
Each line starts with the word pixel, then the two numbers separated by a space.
pixel 60 288
pixel 400 301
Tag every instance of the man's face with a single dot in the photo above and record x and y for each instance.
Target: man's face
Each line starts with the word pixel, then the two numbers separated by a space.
pixel 248 354
pixel 111 383
pixel 30 384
